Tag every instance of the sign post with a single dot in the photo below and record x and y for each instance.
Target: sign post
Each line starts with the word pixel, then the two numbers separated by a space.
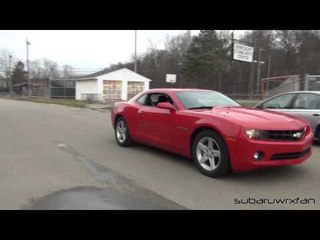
pixel 244 53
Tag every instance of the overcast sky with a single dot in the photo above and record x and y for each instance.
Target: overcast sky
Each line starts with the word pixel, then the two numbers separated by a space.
pixel 83 49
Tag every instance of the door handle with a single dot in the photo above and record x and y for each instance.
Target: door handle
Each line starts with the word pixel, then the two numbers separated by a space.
pixel 316 114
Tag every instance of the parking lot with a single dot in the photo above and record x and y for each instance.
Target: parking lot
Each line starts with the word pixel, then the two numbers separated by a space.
pixel 60 157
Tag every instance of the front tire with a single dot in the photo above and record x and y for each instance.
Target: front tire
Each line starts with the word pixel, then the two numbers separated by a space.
pixel 122 133
pixel 210 154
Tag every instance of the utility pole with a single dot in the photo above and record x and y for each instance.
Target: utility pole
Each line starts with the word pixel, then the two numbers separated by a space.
pixel 252 69
pixel 220 82
pixel 10 76
pixel 135 50
pixel 178 77
pixel 64 88
pixel 232 45
pixel 231 64
pixel 29 80
pixel 268 72
pixel 269 62
pixel 259 70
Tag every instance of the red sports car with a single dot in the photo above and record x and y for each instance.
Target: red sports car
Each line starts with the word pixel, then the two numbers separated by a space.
pixel 212 129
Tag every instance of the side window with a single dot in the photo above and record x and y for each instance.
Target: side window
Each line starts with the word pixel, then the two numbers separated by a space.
pixel 281 102
pixel 151 99
pixel 141 100
pixel 307 101
pixel 154 98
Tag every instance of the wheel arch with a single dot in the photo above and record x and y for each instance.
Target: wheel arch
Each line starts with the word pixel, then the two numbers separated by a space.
pixel 119 115
pixel 200 129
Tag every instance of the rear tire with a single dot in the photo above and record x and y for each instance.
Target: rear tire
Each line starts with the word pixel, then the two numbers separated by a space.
pixel 122 133
pixel 210 154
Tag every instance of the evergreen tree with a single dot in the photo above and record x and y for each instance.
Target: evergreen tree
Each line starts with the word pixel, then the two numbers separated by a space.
pixel 204 58
pixel 18 74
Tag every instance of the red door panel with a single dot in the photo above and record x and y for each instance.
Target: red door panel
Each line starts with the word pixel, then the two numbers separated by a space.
pixel 156 125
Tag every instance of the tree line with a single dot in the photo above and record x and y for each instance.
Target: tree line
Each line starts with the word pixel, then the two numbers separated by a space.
pixel 205 60
pixel 12 67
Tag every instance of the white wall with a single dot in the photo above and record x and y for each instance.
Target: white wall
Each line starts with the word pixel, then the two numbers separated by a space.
pixel 124 92
pixel 146 85
pixel 86 86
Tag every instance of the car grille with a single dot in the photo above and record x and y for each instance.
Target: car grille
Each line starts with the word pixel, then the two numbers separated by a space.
pixel 294 135
pixel 284 156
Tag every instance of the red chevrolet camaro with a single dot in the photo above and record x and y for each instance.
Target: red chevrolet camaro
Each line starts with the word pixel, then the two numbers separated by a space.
pixel 212 129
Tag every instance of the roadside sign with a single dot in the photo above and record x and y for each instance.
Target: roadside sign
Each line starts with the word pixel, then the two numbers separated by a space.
pixel 242 52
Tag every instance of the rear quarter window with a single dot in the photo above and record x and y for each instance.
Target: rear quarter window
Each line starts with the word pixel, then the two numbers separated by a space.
pixel 141 100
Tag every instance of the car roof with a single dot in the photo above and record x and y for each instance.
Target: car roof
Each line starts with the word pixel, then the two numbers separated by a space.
pixel 316 92
pixel 292 92
pixel 279 94
pixel 176 89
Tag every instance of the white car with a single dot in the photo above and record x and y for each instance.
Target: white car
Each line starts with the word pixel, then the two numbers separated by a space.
pixel 304 104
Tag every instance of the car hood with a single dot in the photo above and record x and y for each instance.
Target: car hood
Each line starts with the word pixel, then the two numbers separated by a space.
pixel 258 119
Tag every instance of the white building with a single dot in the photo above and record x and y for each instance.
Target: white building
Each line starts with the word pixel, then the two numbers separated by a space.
pixel 121 84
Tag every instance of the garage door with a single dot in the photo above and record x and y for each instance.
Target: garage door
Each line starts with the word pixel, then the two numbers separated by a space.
pixel 134 88
pixel 112 89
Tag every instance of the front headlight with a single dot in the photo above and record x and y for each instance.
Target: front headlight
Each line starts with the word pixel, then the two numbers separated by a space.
pixel 253 134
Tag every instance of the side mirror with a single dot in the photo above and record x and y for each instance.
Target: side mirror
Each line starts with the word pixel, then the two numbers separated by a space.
pixel 166 105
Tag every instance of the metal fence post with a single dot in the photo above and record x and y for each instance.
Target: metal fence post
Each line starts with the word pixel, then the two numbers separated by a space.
pixel 306 82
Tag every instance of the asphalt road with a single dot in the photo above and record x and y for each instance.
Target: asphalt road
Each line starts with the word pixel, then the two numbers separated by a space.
pixel 58 157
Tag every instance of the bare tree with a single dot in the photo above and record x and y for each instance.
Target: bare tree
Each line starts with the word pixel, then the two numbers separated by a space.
pixel 50 68
pixel 36 69
pixel 6 57
pixel 44 68
pixel 67 71
pixel 4 62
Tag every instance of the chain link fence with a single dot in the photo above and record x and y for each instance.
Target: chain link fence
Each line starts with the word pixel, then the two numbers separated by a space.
pixel 45 88
pixel 239 90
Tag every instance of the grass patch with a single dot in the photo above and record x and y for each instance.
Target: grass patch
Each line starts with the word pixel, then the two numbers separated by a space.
pixel 65 102
pixel 248 103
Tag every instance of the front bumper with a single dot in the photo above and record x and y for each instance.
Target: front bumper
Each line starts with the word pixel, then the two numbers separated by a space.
pixel 275 153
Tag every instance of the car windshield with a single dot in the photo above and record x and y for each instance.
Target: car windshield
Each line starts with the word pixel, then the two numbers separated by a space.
pixel 204 99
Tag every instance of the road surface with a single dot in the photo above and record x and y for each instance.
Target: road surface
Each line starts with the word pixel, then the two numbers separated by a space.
pixel 58 157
